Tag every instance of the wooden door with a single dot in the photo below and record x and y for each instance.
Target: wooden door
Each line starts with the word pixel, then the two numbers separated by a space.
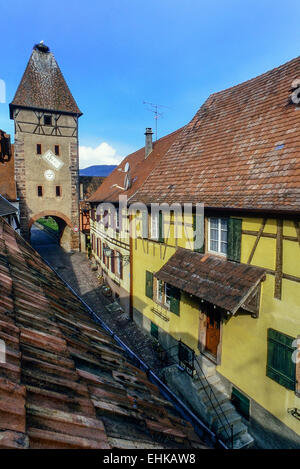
pixel 212 330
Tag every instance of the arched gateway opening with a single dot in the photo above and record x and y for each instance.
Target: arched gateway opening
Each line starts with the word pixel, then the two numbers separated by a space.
pixel 57 225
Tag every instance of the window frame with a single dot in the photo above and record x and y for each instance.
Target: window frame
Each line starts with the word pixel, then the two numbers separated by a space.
pixel 154 223
pixel 167 297
pixel 159 289
pixel 219 228
pixel 48 116
pixel 59 190
pixel 117 220
pixel 119 265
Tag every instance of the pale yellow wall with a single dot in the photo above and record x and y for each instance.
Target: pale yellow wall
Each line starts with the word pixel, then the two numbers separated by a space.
pixel 150 255
pixel 111 238
pixel 244 339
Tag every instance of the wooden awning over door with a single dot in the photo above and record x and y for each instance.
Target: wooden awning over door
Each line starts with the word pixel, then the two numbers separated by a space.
pixel 216 280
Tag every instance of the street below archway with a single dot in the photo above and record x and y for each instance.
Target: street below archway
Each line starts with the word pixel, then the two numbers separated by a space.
pixel 75 269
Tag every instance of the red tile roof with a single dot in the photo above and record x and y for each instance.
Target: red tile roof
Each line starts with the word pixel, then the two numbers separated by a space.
pixel 43 85
pixel 65 382
pixel 241 150
pixel 220 282
pixel 140 168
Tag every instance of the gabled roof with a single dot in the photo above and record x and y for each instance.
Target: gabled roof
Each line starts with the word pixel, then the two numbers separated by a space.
pixel 65 382
pixel 6 208
pixel 43 85
pixel 140 168
pixel 218 281
pixel 241 150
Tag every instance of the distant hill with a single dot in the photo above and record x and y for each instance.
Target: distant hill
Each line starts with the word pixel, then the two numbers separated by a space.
pixel 97 170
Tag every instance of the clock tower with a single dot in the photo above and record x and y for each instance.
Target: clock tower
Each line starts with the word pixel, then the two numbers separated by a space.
pixel 46 147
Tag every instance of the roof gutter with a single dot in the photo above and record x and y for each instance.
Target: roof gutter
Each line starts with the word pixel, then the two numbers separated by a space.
pixel 200 428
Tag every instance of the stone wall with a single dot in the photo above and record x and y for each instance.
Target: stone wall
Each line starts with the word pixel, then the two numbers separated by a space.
pixel 30 170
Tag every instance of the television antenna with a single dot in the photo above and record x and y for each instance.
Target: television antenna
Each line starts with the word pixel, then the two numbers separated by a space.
pixel 156 109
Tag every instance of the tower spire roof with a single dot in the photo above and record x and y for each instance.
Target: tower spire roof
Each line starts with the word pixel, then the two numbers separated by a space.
pixel 43 85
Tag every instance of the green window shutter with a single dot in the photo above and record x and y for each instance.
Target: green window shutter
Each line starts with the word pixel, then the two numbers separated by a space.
pixel 175 301
pixel 149 284
pixel 234 237
pixel 154 330
pixel 280 366
pixel 199 233
pixel 160 228
pixel 241 402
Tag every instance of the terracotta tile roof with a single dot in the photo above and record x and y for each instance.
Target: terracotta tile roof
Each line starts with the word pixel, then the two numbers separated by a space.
pixel 140 168
pixel 220 282
pixel 8 186
pixel 65 382
pixel 43 85
pixel 241 149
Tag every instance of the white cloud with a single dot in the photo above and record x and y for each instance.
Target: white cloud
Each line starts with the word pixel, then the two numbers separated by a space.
pixel 102 154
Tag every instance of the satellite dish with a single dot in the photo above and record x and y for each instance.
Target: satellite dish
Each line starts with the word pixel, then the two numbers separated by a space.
pixel 126 182
pixel 127 167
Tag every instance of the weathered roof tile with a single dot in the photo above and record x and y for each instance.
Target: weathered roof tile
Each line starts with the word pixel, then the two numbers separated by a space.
pixel 216 280
pixel 43 85
pixel 66 383
pixel 239 151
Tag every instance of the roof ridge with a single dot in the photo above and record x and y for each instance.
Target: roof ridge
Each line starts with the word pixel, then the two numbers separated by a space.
pixel 262 75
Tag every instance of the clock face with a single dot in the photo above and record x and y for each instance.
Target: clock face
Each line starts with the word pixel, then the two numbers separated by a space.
pixel 49 175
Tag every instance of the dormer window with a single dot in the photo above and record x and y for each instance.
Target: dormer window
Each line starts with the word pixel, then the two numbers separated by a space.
pixel 47 120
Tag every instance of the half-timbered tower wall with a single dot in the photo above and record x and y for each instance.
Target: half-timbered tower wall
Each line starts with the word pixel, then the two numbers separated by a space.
pixel 46 148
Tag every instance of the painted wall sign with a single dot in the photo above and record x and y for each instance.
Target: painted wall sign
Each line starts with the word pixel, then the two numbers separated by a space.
pixel 51 159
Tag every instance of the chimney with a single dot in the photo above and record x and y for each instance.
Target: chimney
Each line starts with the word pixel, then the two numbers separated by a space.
pixel 148 141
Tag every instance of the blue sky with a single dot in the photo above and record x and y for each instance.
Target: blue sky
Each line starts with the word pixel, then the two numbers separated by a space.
pixel 116 54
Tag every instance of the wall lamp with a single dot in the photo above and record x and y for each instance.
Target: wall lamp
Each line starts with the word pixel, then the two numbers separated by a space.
pixel 109 253
pixel 294 412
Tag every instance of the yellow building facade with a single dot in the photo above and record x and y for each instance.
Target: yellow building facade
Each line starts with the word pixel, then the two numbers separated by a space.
pixel 272 244
pixel 110 248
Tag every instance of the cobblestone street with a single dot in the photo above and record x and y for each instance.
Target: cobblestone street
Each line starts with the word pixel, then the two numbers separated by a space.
pixel 75 269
